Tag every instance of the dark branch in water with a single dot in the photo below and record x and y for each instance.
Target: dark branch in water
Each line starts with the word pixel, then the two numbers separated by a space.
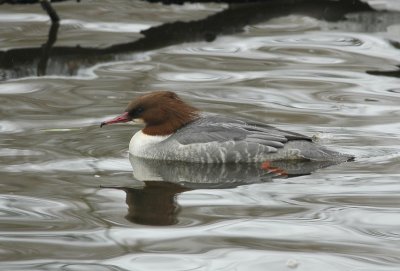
pixel 42 65
pixel 21 62
pixel 50 11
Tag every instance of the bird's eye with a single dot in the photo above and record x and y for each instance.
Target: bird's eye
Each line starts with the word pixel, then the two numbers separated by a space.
pixel 135 112
pixel 139 110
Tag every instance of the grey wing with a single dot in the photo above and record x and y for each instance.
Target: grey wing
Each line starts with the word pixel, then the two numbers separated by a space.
pixel 259 126
pixel 220 129
pixel 252 126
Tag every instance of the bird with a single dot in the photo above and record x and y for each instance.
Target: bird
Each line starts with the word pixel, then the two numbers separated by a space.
pixel 177 131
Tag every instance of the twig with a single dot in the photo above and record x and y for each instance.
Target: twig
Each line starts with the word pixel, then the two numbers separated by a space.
pixel 50 11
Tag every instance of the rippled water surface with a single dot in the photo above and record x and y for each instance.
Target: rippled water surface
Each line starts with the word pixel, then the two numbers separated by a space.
pixel 69 199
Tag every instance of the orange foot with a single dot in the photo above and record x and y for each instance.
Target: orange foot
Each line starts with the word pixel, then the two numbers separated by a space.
pixel 275 170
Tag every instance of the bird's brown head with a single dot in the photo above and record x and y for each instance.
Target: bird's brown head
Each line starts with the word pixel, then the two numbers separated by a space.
pixel 163 112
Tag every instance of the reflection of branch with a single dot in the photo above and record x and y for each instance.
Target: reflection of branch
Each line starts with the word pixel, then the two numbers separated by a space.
pixel 50 10
pixel 229 21
pixel 44 3
pixel 42 65
pixel 393 73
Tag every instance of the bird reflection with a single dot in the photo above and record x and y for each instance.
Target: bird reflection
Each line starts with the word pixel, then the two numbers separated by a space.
pixel 154 202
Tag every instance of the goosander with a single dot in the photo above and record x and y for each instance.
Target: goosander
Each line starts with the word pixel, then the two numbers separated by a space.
pixel 177 131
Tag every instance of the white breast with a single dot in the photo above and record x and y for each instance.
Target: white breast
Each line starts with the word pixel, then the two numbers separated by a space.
pixel 142 145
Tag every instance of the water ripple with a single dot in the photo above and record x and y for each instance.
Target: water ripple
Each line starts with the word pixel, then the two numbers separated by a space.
pixel 23 17
pixel 73 165
pixel 108 27
pixel 293 72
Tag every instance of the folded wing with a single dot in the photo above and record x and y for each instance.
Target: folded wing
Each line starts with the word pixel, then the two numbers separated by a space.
pixel 235 132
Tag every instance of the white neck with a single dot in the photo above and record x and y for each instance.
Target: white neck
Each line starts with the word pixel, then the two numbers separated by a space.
pixel 140 143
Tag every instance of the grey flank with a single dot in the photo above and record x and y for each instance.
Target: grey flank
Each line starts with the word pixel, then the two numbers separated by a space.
pixel 218 139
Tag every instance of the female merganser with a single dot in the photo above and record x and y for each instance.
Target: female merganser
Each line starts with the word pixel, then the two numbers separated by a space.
pixel 175 130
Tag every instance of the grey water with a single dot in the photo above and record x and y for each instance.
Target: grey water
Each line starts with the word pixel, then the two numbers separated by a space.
pixel 71 200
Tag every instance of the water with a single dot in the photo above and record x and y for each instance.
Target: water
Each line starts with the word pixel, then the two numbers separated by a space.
pixel 69 200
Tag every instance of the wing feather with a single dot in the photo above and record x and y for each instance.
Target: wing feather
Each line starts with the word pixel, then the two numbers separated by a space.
pixel 235 133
